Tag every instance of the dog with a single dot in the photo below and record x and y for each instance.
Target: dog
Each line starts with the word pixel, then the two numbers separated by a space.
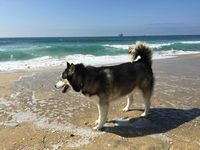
pixel 108 83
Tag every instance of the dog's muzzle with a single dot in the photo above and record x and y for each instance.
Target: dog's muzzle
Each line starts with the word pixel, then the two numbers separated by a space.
pixel 63 83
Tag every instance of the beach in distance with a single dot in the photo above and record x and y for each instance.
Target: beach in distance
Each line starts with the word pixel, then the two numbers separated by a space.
pixel 35 115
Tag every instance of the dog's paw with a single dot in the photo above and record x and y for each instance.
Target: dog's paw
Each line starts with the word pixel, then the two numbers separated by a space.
pixel 97 122
pixel 125 109
pixel 97 128
pixel 144 114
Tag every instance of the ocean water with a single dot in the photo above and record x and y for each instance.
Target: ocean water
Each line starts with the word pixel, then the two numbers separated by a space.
pixel 23 53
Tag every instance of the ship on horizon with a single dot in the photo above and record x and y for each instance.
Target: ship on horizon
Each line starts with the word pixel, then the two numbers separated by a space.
pixel 120 35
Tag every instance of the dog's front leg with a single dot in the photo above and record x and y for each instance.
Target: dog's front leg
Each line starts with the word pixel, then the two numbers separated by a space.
pixel 103 111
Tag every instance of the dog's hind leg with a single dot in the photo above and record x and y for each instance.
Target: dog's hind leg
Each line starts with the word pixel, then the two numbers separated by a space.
pixel 103 112
pixel 147 102
pixel 98 120
pixel 129 102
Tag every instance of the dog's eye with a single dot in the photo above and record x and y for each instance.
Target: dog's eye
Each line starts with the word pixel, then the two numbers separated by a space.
pixel 64 75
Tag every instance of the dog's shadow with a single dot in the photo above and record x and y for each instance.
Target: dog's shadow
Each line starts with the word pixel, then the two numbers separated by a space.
pixel 160 120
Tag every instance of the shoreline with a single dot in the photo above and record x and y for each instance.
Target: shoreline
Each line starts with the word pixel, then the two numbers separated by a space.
pixel 34 115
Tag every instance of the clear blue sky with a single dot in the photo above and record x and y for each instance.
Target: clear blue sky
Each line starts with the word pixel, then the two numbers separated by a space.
pixel 98 17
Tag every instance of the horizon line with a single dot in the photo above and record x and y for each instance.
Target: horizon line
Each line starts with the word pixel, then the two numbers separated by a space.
pixel 97 36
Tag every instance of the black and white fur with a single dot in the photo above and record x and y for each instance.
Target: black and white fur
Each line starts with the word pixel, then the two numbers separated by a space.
pixel 108 83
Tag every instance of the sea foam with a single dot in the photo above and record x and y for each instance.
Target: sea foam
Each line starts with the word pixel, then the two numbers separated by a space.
pixel 48 61
pixel 190 42
pixel 125 47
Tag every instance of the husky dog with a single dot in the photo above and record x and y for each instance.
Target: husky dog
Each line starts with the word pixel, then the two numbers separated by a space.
pixel 108 83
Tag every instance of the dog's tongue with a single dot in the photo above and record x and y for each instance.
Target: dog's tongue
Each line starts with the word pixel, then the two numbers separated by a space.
pixel 65 88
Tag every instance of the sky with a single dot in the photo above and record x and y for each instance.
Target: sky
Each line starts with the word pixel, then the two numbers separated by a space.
pixel 57 18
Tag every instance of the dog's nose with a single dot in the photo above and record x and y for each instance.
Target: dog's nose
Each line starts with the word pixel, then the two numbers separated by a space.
pixel 55 86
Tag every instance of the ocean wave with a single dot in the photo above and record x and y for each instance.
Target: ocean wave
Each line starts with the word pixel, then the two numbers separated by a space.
pixel 25 47
pixel 96 60
pixel 173 52
pixel 153 45
pixel 2 49
pixel 189 42
pixel 48 61
pixel 160 45
pixel 32 47
pixel 125 47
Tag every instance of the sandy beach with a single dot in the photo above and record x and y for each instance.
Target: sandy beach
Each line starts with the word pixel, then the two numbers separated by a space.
pixel 35 115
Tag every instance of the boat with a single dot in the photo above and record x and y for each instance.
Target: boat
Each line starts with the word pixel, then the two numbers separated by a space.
pixel 120 35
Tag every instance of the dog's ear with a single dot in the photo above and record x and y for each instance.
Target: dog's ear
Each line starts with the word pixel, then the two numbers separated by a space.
pixel 71 69
pixel 68 65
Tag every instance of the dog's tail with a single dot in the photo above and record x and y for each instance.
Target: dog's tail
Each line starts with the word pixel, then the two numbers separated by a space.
pixel 143 50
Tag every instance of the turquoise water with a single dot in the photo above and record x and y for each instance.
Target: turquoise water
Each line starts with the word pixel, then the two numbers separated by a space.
pixel 12 49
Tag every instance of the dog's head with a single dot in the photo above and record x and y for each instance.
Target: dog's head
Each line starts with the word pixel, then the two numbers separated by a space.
pixel 73 76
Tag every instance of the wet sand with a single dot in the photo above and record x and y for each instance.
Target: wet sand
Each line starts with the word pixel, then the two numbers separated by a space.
pixel 35 115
